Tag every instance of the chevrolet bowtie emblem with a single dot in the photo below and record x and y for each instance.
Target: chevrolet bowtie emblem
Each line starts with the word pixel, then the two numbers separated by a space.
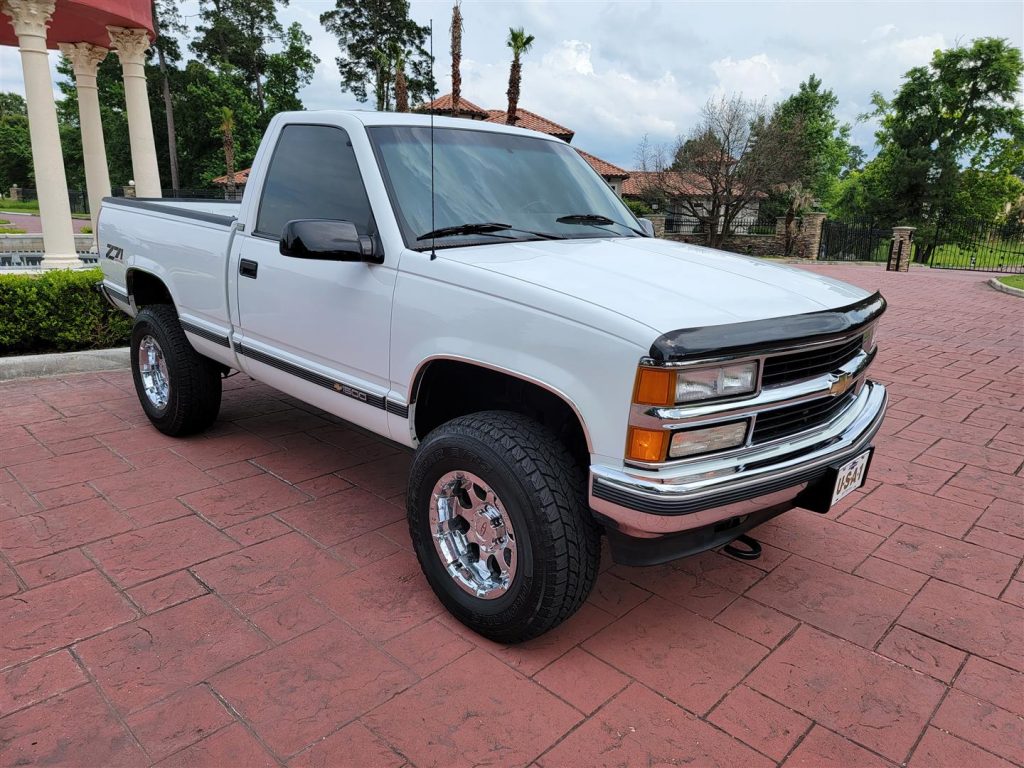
pixel 841 383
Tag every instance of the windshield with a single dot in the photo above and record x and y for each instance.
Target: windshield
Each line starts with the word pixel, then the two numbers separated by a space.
pixel 481 177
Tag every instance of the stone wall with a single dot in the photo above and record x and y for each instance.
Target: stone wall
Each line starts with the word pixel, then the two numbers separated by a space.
pixel 806 244
pixel 750 245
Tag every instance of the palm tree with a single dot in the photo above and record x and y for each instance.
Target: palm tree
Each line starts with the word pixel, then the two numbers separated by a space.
pixel 227 130
pixel 520 43
pixel 401 84
pixel 456 30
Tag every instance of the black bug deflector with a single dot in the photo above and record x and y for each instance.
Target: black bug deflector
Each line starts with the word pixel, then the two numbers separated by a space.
pixel 740 338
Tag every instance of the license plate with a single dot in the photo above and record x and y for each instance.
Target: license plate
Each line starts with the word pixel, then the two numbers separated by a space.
pixel 850 476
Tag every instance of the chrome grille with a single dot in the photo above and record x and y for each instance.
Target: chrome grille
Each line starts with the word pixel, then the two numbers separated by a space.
pixel 782 369
pixel 793 419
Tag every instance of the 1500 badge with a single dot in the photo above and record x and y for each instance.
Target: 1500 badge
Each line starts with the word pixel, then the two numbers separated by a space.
pixel 114 253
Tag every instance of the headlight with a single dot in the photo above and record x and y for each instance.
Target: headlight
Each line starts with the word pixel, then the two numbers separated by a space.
pixel 691 442
pixel 676 386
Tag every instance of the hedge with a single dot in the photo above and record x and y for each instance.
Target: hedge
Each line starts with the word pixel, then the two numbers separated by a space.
pixel 57 311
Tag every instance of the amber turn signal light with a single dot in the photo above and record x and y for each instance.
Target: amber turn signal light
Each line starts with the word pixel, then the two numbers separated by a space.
pixel 655 386
pixel 647 444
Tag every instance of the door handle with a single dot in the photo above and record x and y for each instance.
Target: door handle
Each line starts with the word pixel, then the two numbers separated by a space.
pixel 247 268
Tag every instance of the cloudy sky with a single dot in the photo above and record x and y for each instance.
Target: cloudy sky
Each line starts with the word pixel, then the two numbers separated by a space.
pixel 614 71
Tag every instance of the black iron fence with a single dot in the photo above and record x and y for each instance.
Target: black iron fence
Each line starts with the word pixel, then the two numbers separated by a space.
pixel 77 197
pixel 854 241
pixel 684 224
pixel 971 245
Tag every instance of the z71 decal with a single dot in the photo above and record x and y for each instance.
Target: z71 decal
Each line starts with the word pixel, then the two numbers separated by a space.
pixel 114 253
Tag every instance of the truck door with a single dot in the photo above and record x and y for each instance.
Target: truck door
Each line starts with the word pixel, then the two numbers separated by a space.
pixel 316 329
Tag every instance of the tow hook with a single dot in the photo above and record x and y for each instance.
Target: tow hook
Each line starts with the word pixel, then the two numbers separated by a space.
pixel 752 551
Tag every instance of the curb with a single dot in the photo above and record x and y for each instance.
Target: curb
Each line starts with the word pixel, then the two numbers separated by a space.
pixel 1004 288
pixel 30 366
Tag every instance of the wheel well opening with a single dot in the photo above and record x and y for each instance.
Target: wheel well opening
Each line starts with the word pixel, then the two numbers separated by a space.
pixel 147 289
pixel 447 389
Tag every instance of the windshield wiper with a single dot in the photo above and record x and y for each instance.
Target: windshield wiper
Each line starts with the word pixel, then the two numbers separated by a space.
pixel 484 228
pixel 596 220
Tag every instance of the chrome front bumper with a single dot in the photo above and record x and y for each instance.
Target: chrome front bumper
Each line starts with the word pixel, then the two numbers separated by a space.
pixel 650 504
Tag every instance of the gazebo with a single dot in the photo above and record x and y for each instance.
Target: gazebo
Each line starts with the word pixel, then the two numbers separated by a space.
pixel 85 31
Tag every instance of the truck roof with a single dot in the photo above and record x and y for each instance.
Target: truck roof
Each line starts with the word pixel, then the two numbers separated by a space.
pixel 372 117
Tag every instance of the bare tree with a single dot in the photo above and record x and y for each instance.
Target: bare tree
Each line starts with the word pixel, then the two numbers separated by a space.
pixel 656 182
pixel 734 156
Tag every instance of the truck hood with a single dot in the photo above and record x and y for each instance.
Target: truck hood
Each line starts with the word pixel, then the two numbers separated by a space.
pixel 662 284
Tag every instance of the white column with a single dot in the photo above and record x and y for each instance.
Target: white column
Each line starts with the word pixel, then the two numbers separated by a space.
pixel 130 46
pixel 85 58
pixel 30 19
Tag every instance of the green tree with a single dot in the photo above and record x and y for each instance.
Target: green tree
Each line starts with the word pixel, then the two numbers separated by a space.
pixel 954 127
pixel 824 142
pixel 520 43
pixel 288 71
pixel 236 37
pixel 368 33
pixel 166 24
pixel 15 146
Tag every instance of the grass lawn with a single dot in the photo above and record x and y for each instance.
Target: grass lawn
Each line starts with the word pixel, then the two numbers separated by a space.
pixel 1014 281
pixel 31 207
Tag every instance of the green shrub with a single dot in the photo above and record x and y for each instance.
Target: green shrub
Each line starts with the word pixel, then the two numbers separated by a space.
pixel 11 231
pixel 638 207
pixel 57 311
pixel 85 231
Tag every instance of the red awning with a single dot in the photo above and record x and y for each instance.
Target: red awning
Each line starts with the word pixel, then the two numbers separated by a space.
pixel 86 21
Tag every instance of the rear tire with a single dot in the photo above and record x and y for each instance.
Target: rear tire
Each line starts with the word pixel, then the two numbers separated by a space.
pixel 505 480
pixel 178 388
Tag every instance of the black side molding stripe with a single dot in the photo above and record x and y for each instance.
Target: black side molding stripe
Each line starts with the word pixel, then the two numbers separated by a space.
pixel 740 338
pixel 216 338
pixel 377 401
pixel 398 409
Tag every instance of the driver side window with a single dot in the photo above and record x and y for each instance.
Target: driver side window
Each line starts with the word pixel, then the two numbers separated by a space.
pixel 313 174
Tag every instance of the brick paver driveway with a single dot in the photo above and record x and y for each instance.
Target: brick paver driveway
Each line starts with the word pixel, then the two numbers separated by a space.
pixel 249 597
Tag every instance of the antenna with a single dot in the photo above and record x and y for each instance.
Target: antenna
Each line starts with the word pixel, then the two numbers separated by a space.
pixel 433 251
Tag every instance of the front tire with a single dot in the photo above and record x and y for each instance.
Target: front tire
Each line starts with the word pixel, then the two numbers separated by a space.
pixel 499 522
pixel 178 388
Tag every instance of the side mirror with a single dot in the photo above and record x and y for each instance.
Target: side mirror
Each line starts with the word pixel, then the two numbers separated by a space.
pixel 327 240
pixel 647 226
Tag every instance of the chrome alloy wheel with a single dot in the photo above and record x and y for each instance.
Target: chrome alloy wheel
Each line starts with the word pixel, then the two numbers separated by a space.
pixel 153 371
pixel 473 535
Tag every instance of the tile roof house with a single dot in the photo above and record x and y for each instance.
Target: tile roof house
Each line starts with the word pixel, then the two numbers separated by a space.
pixel 443 105
pixel 532 122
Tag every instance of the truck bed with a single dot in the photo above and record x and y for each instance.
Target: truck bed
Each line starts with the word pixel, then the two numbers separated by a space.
pixel 183 242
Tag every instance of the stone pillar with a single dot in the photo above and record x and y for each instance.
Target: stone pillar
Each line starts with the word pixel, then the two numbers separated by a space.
pixel 15 192
pixel 130 46
pixel 810 232
pixel 30 19
pixel 658 220
pixel 899 250
pixel 85 58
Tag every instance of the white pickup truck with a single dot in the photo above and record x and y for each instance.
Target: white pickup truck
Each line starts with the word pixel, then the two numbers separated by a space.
pixel 477 293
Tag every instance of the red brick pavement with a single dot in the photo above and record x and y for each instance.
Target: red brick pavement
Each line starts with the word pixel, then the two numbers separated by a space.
pixel 249 597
